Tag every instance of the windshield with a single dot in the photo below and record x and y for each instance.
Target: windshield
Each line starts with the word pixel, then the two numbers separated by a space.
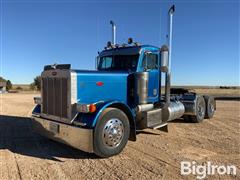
pixel 118 63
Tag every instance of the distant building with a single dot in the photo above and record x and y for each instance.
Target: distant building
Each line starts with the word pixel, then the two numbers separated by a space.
pixel 3 87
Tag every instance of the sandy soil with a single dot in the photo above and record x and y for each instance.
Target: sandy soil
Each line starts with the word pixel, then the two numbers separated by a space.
pixel 155 154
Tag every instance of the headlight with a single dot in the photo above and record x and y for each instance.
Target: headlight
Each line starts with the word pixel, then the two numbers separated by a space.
pixel 37 100
pixel 86 108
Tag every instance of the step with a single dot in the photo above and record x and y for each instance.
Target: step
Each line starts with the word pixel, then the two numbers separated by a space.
pixel 160 126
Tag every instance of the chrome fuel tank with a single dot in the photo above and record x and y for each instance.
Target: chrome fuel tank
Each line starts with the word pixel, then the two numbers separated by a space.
pixel 175 110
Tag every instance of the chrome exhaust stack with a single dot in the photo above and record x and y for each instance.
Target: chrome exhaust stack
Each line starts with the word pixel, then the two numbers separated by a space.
pixel 168 74
pixel 166 59
pixel 113 32
pixel 171 109
pixel 170 12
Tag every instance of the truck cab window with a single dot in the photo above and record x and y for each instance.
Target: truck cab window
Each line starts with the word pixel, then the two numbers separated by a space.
pixel 118 63
pixel 106 63
pixel 150 61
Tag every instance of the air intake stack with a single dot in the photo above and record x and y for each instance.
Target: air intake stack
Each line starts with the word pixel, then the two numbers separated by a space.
pixel 113 32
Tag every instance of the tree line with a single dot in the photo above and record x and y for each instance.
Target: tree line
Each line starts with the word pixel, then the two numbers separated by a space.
pixel 8 83
pixel 35 85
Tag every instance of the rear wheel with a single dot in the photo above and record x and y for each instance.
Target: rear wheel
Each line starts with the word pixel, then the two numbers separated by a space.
pixel 210 107
pixel 111 133
pixel 200 110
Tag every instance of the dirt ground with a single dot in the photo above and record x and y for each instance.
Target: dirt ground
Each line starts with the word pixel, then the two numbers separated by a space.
pixel 155 154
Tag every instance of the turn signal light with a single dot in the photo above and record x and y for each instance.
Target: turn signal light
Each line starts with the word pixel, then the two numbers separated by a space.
pixel 92 108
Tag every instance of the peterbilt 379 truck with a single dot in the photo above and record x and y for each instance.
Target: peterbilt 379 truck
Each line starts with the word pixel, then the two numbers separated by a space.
pixel 99 111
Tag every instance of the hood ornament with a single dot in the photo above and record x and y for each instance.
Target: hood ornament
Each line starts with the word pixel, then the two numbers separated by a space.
pixel 54 66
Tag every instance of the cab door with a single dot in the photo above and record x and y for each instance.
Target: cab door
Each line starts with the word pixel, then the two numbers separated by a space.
pixel 150 64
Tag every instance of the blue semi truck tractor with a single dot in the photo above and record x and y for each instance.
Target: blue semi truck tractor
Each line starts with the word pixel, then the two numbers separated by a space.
pixel 99 110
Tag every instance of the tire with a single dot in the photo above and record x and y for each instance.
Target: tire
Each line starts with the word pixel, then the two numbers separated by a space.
pixel 210 107
pixel 200 110
pixel 111 133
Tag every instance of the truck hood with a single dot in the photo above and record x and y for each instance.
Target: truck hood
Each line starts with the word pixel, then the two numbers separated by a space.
pixel 95 86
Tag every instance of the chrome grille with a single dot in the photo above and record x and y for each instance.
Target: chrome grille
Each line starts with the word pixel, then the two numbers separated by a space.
pixel 54 96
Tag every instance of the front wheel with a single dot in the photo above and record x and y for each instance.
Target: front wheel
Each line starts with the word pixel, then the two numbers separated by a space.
pixel 111 132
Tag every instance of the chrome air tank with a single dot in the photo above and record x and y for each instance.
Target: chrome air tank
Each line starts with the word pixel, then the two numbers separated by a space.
pixel 141 87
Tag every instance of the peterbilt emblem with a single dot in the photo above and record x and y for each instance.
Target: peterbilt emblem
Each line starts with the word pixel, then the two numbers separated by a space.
pixel 54 73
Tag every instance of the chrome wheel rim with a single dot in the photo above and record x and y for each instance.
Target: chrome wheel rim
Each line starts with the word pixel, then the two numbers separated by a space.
pixel 200 110
pixel 211 108
pixel 113 133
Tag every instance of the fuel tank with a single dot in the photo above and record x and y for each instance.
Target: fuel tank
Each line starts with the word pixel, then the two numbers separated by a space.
pixel 175 110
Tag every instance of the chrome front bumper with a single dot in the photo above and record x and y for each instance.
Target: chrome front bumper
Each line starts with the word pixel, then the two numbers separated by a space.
pixel 76 137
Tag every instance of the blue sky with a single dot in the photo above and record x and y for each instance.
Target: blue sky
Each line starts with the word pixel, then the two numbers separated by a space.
pixel 205 36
